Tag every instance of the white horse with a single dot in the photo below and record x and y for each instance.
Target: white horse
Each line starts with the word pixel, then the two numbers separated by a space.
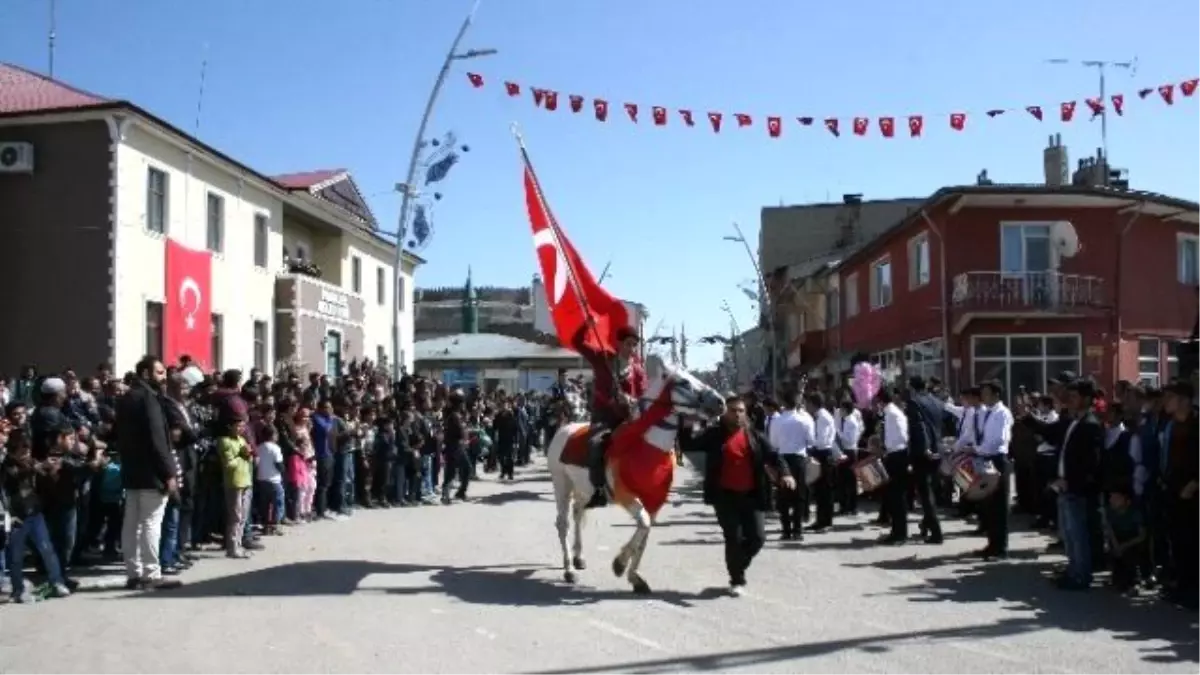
pixel 640 465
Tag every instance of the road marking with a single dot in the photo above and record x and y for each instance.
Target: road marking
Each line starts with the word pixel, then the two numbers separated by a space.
pixel 485 633
pixel 437 610
pixel 613 630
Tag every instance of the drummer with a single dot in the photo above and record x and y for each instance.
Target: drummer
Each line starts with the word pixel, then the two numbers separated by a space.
pixel 995 433
pixel 968 433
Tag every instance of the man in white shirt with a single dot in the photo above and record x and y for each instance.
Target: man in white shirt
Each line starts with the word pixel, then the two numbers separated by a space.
pixel 849 423
pixel 995 434
pixel 824 445
pixel 895 460
pixel 791 434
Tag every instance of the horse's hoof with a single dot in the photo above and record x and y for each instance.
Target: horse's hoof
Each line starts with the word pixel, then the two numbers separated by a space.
pixel 618 567
pixel 640 587
pixel 579 563
pixel 569 577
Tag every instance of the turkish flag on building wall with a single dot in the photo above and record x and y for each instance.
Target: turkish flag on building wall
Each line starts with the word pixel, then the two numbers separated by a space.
pixel 571 291
pixel 187 314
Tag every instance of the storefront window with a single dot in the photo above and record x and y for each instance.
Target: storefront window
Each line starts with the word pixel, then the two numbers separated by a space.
pixel 1024 361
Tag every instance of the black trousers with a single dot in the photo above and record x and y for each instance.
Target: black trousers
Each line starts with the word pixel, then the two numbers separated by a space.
pixel 743 529
pixel 791 503
pixel 847 484
pixel 508 459
pixel 924 474
pixel 324 480
pixel 1184 544
pixel 993 511
pixel 1046 506
pixel 895 499
pixel 602 422
pixel 381 476
pixel 822 490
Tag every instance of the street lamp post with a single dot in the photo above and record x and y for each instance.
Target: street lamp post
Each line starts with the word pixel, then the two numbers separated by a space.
pixel 764 302
pixel 409 188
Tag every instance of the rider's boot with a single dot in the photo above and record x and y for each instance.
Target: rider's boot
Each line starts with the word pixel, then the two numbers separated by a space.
pixel 599 498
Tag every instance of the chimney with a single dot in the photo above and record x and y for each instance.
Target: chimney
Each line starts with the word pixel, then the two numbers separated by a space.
pixel 983 179
pixel 1055 164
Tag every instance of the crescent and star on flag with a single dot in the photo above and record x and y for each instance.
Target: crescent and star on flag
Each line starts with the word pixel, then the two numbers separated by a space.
pixel 543 238
pixel 187 287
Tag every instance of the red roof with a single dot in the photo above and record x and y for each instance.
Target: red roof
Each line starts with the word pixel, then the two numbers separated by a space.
pixel 305 180
pixel 24 91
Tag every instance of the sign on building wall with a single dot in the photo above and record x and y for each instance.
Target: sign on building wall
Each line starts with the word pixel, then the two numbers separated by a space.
pixel 334 304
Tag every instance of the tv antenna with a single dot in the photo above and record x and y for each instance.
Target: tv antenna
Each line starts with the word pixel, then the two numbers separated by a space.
pixel 53 34
pixel 200 96
pixel 1101 68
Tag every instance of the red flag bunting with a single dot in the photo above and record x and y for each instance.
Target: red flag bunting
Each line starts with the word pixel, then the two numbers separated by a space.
pixel 187 317
pixel 915 124
pixel 572 294
pixel 548 99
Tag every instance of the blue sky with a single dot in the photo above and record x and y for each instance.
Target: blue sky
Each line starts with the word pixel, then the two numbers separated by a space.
pixel 303 84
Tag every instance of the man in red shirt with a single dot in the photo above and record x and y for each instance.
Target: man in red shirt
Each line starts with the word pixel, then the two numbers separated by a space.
pixel 736 485
pixel 619 380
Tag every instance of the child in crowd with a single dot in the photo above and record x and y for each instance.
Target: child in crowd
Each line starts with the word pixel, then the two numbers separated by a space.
pixel 238 470
pixel 302 470
pixel 270 480
pixel 1126 536
pixel 21 474
pixel 112 503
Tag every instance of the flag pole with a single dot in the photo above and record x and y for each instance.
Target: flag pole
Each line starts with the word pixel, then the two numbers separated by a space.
pixel 554 232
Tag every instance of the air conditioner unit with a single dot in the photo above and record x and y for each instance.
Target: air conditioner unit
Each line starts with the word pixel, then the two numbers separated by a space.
pixel 16 157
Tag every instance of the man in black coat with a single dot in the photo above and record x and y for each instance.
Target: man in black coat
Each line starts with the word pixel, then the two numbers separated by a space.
pixel 148 473
pixel 737 462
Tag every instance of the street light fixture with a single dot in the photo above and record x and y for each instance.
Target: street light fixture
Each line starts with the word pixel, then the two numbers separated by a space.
pixel 764 303
pixel 407 189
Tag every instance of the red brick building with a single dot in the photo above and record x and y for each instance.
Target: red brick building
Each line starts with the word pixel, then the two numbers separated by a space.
pixel 977 283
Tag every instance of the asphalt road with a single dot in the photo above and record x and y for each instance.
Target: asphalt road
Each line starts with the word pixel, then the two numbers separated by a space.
pixel 475 587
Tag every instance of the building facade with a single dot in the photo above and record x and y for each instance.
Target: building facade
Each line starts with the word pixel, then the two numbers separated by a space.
pixel 94 188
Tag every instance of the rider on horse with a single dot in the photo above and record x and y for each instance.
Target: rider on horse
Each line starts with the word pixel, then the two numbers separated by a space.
pixel 619 380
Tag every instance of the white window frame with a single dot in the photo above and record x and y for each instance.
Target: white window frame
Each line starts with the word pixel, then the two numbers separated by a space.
pixel 1150 367
pixel 262 235
pixel 918 276
pixel 878 301
pixel 915 362
pixel 1189 277
pixel 1024 225
pixel 260 363
pixel 851 295
pixel 153 196
pixel 214 222
pixel 1009 359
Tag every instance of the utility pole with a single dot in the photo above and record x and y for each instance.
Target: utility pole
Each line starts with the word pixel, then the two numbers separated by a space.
pixel 1101 67
pixel 53 34
pixel 409 187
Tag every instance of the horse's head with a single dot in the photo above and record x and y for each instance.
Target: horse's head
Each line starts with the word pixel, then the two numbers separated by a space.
pixel 689 397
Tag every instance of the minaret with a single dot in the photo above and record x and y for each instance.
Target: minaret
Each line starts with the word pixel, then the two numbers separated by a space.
pixel 683 342
pixel 470 307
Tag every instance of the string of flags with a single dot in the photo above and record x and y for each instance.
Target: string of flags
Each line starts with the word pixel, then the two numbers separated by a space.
pixel 888 126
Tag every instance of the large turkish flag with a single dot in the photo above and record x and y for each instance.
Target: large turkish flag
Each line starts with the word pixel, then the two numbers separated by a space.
pixel 573 294
pixel 187 315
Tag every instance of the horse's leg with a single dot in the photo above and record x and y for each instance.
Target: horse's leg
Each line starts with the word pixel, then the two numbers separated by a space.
pixel 580 517
pixel 637 545
pixel 562 502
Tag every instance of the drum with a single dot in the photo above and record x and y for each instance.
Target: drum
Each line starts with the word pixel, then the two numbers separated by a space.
pixel 948 460
pixel 871 474
pixel 812 471
pixel 976 478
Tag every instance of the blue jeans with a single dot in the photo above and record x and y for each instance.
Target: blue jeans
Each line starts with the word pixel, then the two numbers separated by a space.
pixel 33 527
pixel 1073 526
pixel 350 460
pixel 426 475
pixel 168 543
pixel 63 527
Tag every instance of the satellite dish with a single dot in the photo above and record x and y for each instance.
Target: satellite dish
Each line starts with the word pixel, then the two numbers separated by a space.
pixel 1065 240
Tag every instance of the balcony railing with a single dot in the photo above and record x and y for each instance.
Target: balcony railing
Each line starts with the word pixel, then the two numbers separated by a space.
pixel 1027 292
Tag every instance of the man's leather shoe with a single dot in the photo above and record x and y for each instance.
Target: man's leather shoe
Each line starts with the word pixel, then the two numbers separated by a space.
pixel 599 499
